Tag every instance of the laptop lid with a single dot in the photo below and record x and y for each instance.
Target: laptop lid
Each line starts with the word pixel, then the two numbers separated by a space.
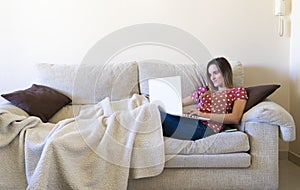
pixel 166 93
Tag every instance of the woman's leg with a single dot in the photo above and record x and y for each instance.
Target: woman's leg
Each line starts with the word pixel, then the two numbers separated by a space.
pixel 202 131
pixel 184 128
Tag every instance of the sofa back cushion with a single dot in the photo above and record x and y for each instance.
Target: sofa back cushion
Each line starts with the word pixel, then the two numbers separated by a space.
pixel 192 75
pixel 88 84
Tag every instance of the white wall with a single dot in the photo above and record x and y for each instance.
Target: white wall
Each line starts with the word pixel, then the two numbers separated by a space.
pixel 295 74
pixel 62 31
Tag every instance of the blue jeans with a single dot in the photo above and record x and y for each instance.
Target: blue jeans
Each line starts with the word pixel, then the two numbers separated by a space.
pixel 184 128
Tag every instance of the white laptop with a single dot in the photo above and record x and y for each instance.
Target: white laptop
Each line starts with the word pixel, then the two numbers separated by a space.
pixel 166 93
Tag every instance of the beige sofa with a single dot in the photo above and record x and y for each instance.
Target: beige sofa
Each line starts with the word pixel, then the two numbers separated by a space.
pixel 247 159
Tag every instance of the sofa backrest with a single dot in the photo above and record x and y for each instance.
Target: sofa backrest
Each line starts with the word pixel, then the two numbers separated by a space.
pixel 88 84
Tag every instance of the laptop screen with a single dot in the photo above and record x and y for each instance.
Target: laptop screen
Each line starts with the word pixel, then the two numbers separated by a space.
pixel 166 93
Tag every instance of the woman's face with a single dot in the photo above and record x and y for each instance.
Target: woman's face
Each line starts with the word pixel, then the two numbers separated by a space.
pixel 216 76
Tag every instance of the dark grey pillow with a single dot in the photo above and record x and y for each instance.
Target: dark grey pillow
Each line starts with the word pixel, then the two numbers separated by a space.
pixel 38 100
pixel 257 94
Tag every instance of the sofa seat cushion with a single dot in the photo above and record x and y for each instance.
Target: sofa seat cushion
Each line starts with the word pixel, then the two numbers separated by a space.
pixel 221 143
pixel 234 160
pixel 215 144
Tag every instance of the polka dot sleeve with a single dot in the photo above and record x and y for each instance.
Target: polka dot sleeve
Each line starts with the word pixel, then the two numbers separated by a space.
pixel 240 93
pixel 196 95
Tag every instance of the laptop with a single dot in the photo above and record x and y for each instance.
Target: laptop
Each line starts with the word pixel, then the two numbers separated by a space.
pixel 166 93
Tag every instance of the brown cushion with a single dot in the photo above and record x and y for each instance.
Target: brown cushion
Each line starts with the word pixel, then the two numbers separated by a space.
pixel 38 100
pixel 257 94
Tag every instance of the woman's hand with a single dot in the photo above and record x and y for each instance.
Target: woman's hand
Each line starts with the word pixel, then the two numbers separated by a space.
pixel 193 111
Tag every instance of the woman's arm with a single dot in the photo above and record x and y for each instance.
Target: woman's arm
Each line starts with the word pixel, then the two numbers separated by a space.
pixel 194 96
pixel 187 101
pixel 231 118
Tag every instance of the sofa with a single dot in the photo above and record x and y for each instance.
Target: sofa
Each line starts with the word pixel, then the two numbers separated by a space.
pixel 41 150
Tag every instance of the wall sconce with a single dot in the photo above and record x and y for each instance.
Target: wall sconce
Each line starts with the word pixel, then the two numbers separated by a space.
pixel 279 11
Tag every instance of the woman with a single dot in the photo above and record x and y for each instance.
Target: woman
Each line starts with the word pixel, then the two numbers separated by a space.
pixel 219 101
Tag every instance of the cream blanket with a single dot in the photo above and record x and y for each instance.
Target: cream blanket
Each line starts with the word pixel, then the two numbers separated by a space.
pixel 101 148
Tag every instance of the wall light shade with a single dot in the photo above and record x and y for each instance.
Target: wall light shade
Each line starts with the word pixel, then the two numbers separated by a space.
pixel 279 10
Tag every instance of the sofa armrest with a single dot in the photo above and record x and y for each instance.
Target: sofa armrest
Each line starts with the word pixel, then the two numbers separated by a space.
pixel 269 112
pixel 263 139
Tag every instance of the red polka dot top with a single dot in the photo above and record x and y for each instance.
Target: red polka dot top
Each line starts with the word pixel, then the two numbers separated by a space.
pixel 217 102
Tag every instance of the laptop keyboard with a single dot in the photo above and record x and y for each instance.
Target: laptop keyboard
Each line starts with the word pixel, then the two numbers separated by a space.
pixel 194 117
